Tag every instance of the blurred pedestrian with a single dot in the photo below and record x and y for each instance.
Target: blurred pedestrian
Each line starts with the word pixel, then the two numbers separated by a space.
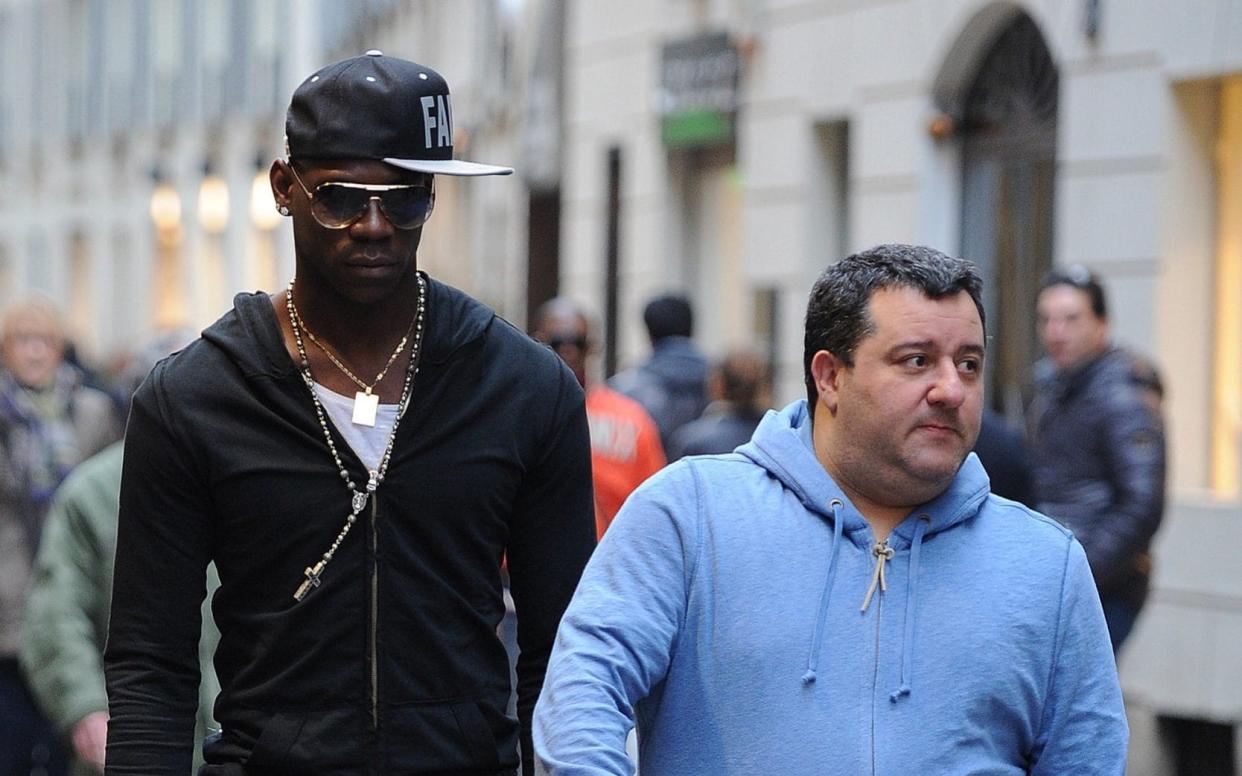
pixel 843 596
pixel 70 595
pixel 1097 442
pixel 740 391
pixel 67 612
pixel 672 383
pixel 357 453
pixel 1002 451
pixel 625 444
pixel 49 422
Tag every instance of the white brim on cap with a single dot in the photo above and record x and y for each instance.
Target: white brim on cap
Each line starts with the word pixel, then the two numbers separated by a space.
pixel 449 167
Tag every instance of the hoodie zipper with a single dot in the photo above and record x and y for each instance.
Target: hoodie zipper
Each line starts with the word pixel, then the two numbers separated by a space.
pixel 374 615
pixel 882 553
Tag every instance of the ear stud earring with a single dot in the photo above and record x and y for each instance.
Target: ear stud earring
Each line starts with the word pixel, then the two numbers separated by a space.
pixel 282 209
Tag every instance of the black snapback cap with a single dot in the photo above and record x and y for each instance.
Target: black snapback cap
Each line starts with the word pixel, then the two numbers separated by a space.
pixel 378 107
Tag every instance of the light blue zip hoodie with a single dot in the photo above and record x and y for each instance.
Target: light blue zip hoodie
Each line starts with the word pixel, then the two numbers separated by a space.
pixel 740 611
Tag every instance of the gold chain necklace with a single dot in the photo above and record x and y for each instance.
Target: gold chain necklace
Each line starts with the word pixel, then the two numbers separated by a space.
pixel 366 403
pixel 358 498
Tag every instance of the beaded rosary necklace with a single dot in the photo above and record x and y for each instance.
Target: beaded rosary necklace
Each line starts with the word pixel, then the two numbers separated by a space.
pixel 358 497
pixel 366 403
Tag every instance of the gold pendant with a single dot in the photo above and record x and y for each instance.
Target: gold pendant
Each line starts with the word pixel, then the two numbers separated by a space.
pixel 366 405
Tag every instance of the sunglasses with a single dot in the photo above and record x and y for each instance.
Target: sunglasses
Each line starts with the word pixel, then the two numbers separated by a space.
pixel 556 343
pixel 338 205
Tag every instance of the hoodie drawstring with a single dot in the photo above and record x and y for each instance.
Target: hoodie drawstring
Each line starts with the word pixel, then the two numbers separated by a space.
pixel 813 662
pixel 883 554
pixel 912 603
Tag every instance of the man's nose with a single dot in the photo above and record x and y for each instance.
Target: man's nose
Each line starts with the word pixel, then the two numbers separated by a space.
pixel 373 224
pixel 949 390
pixel 1051 329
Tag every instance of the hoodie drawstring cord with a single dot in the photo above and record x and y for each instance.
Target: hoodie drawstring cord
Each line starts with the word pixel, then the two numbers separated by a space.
pixel 883 553
pixel 912 603
pixel 813 662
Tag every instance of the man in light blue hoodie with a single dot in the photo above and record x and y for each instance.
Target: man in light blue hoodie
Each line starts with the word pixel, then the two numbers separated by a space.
pixel 842 595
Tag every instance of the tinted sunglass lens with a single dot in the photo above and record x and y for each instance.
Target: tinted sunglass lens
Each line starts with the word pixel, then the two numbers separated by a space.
pixel 336 206
pixel 407 208
pixel 563 342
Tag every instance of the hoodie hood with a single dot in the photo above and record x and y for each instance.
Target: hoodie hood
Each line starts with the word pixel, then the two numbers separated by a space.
pixel 458 322
pixel 782 445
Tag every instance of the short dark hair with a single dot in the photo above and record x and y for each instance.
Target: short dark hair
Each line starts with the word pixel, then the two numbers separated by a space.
pixel 836 315
pixel 744 377
pixel 668 315
pixel 1078 276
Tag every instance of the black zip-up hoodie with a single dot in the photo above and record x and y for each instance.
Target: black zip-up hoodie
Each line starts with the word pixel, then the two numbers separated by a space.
pixel 392 665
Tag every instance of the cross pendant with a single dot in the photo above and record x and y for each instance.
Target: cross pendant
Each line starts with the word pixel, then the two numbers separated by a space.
pixel 312 581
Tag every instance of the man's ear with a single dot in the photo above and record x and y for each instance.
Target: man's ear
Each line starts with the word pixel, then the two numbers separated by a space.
pixel 282 183
pixel 827 371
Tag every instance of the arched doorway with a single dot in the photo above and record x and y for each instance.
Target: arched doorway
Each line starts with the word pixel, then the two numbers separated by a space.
pixel 1007 124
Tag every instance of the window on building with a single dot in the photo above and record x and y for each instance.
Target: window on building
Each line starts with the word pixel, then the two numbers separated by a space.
pixel 39 264
pixel 1226 431
pixel 264 78
pixel 94 77
pixel 168 292
pixel 76 57
pixel 828 199
pixel 827 222
pixel 81 312
pixel 215 57
pixel 120 51
pixel 168 51
pixel 612 259
pixel 8 284
pixel 36 72
pixel 1008 173
pixel 124 294
pixel 8 99
pixel 709 263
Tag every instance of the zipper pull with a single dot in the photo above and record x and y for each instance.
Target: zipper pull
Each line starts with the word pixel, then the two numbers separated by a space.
pixel 883 553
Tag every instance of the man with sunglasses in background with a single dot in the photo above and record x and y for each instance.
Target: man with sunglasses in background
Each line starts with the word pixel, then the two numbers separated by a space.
pixel 625 443
pixel 356 453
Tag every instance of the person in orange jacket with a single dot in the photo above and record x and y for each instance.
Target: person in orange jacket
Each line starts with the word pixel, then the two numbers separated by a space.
pixel 625 443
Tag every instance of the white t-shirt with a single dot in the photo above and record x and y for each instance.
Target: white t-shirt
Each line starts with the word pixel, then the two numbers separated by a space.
pixel 368 442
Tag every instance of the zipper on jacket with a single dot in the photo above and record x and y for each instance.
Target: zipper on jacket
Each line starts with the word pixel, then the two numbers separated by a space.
pixel 374 613
pixel 882 553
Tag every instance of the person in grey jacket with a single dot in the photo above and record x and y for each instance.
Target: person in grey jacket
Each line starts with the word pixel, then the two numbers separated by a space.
pixel 1097 442
pixel 740 388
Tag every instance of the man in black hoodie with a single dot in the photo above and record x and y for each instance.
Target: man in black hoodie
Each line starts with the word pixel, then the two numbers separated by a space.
pixel 357 454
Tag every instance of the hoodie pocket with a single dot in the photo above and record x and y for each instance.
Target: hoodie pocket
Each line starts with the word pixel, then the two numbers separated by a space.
pixel 447 736
pixel 322 742
pixel 227 769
